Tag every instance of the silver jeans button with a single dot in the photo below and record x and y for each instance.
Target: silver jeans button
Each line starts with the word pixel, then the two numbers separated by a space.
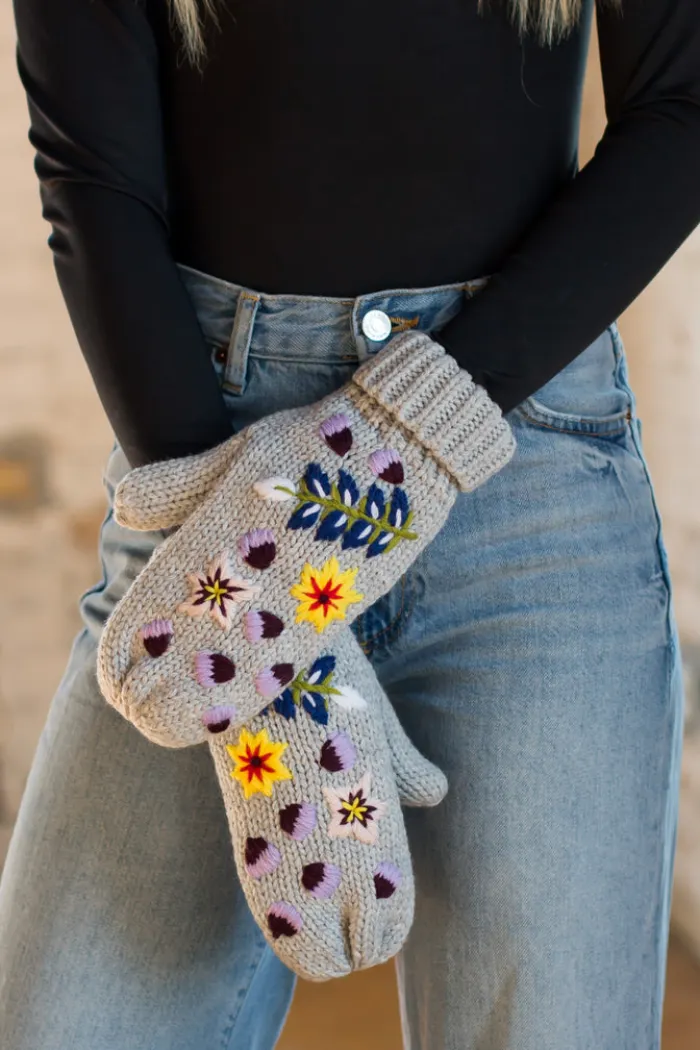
pixel 376 325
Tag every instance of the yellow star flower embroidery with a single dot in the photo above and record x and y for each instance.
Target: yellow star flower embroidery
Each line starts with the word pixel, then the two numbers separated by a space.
pixel 258 762
pixel 324 594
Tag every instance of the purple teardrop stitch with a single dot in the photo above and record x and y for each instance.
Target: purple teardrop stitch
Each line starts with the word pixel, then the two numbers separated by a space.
pixel 213 668
pixel 337 434
pixel 257 548
pixel 261 857
pixel 387 879
pixel 320 879
pixel 271 680
pixel 218 719
pixel 386 464
pixel 338 753
pixel 283 920
pixel 298 820
pixel 259 624
pixel 157 636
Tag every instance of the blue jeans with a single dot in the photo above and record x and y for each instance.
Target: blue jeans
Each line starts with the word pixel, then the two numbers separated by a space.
pixel 531 652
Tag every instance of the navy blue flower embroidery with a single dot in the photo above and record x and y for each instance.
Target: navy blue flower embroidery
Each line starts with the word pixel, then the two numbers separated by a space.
pixel 310 690
pixel 336 510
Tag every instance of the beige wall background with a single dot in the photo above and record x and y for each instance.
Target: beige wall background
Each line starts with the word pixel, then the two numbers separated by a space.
pixel 54 440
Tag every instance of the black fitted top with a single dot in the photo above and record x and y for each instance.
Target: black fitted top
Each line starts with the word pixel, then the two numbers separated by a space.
pixel 326 150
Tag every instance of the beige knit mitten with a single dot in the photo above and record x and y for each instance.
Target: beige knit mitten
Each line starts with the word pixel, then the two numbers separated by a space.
pixel 288 531
pixel 314 811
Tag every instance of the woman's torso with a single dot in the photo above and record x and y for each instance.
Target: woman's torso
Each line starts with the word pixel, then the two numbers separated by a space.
pixel 332 151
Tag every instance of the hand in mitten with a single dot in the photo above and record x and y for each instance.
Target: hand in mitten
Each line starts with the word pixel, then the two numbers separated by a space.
pixel 288 531
pixel 312 789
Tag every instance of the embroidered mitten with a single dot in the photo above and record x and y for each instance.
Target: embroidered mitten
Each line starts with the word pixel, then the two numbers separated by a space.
pixel 312 788
pixel 288 531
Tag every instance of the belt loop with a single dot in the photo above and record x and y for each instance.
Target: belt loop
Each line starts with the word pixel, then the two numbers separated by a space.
pixel 362 345
pixel 239 343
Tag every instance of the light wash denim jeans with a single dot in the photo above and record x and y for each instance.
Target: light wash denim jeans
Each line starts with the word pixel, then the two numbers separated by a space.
pixel 531 652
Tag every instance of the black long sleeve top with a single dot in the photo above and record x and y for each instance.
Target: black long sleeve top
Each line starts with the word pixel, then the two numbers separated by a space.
pixel 329 151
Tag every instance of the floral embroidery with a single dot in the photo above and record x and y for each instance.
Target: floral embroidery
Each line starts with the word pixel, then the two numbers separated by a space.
pixel 347 697
pixel 261 857
pixel 334 522
pixel 321 880
pixel 313 486
pixel 313 688
pixel 310 690
pixel 258 762
pixel 298 820
pixel 324 594
pixel 391 520
pixel 283 920
pixel 337 434
pixel 213 668
pixel 337 510
pixel 354 812
pixel 257 548
pixel 218 719
pixel 157 636
pixel 259 625
pixel 215 591
pixel 276 490
pixel 338 753
pixel 387 879
pixel 386 465
pixel 269 681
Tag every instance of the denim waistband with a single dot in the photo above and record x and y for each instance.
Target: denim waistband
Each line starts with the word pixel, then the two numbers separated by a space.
pixel 247 323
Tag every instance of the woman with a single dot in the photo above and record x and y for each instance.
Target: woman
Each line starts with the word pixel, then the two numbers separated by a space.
pixel 353 175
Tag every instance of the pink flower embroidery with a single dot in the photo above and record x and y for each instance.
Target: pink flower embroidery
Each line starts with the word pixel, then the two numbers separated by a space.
pixel 216 592
pixel 354 812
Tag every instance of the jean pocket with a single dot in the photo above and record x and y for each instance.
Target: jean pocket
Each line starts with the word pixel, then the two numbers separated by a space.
pixel 589 397
pixel 273 385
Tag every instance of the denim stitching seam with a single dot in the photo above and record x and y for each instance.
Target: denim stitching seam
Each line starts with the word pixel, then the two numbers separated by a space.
pixel 229 1030
pixel 671 647
pixel 656 1000
pixel 577 431
pixel 672 658
pixel 405 609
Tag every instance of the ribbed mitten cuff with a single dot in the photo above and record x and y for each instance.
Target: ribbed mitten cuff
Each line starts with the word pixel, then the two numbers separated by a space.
pixel 423 388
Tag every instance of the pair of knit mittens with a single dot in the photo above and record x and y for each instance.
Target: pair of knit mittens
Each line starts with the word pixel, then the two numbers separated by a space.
pixel 236 633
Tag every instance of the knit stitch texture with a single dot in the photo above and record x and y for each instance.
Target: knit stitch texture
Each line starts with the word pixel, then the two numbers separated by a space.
pixel 287 532
pixel 315 819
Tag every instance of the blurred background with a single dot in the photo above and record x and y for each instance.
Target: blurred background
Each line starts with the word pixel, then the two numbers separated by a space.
pixel 53 443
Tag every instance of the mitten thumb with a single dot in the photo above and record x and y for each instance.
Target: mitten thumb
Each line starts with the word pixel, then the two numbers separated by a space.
pixel 165 494
pixel 419 782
